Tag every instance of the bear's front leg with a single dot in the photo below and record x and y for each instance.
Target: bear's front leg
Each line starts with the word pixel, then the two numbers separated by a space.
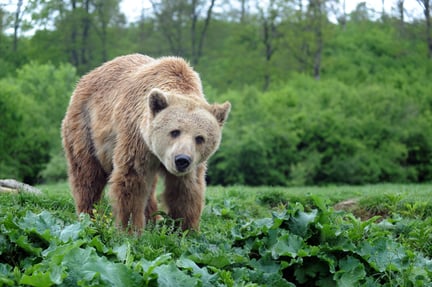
pixel 129 195
pixel 184 197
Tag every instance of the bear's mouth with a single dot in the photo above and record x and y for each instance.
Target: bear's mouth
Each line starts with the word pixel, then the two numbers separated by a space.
pixel 175 172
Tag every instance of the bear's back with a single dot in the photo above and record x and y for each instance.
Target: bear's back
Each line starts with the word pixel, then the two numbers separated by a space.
pixel 110 76
pixel 170 74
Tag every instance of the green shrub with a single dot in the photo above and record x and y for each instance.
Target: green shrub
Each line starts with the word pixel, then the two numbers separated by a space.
pixel 32 105
pixel 56 169
pixel 310 132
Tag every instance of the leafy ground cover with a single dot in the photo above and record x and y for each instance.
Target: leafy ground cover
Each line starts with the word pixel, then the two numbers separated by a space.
pixel 250 237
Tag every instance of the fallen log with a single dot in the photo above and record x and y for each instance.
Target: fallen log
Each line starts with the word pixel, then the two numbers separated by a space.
pixel 11 185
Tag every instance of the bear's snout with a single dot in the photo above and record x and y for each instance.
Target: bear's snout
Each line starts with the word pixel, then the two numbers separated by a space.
pixel 182 162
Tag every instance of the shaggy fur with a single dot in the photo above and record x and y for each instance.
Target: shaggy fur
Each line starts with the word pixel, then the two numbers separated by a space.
pixel 127 123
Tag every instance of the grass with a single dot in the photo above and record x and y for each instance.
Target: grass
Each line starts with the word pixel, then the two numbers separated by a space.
pixel 225 206
pixel 380 199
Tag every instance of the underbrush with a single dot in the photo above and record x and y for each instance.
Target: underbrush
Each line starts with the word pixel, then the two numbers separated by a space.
pixel 249 237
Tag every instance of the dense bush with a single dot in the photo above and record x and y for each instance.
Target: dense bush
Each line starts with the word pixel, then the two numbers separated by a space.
pixel 309 132
pixel 32 105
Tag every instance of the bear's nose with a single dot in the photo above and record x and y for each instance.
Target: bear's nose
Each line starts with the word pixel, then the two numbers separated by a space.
pixel 182 162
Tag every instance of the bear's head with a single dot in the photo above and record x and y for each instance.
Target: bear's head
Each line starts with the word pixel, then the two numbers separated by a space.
pixel 182 131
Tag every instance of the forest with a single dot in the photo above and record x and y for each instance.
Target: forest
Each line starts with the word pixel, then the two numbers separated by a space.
pixel 320 95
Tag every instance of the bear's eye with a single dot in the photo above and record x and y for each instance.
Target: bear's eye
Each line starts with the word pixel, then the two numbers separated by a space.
pixel 175 133
pixel 199 139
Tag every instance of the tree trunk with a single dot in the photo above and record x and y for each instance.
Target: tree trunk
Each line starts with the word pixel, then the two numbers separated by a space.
pixel 74 52
pixel 426 4
pixel 316 9
pixel 85 35
pixel 243 11
pixel 268 52
pixel 400 7
pixel 317 57
pixel 11 185
pixel 204 31
pixel 428 27
pixel 17 24
pixel 194 19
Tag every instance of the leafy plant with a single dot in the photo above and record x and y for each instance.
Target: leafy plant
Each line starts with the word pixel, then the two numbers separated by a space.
pixel 297 246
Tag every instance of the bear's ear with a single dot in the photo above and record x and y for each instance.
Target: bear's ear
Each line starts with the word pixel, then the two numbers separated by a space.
pixel 221 111
pixel 157 101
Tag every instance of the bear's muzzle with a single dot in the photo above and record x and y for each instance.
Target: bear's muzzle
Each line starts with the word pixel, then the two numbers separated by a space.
pixel 182 162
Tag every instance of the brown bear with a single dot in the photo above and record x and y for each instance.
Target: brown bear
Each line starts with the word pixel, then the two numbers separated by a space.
pixel 135 118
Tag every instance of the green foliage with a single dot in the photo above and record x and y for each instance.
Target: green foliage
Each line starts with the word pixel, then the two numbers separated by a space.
pixel 42 244
pixel 34 103
pixel 56 168
pixel 309 132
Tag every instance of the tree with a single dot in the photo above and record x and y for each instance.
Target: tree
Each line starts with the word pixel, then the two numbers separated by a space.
pixel 106 13
pixel 243 10
pixel 427 5
pixel 316 16
pixel 18 15
pixel 307 28
pixel 81 28
pixel 174 18
pixel 197 44
pixel 401 11
pixel 268 17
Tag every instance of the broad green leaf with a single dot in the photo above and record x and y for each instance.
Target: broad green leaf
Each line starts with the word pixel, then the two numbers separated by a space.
pixel 384 254
pixel 124 254
pixel 70 232
pixel 6 275
pixel 23 242
pixel 287 245
pixel 37 279
pixel 56 253
pixel 85 263
pixel 252 277
pixel 278 218
pixel 202 273
pixel 57 274
pixel 212 259
pixel 299 223
pixel 40 223
pixel 148 266
pixel 263 224
pixel 330 258
pixel 170 276
pixel 4 244
pixel 312 270
pixel 122 251
pixel 351 272
pixel 266 265
pixel 97 243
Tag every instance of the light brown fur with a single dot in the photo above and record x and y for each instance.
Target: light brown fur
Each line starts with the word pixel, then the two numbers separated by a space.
pixel 120 128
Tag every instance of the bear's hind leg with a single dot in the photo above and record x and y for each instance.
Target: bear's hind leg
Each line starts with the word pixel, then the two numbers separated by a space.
pixel 87 178
pixel 87 187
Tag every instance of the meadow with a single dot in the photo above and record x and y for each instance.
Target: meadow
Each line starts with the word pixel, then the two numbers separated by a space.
pixel 250 236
